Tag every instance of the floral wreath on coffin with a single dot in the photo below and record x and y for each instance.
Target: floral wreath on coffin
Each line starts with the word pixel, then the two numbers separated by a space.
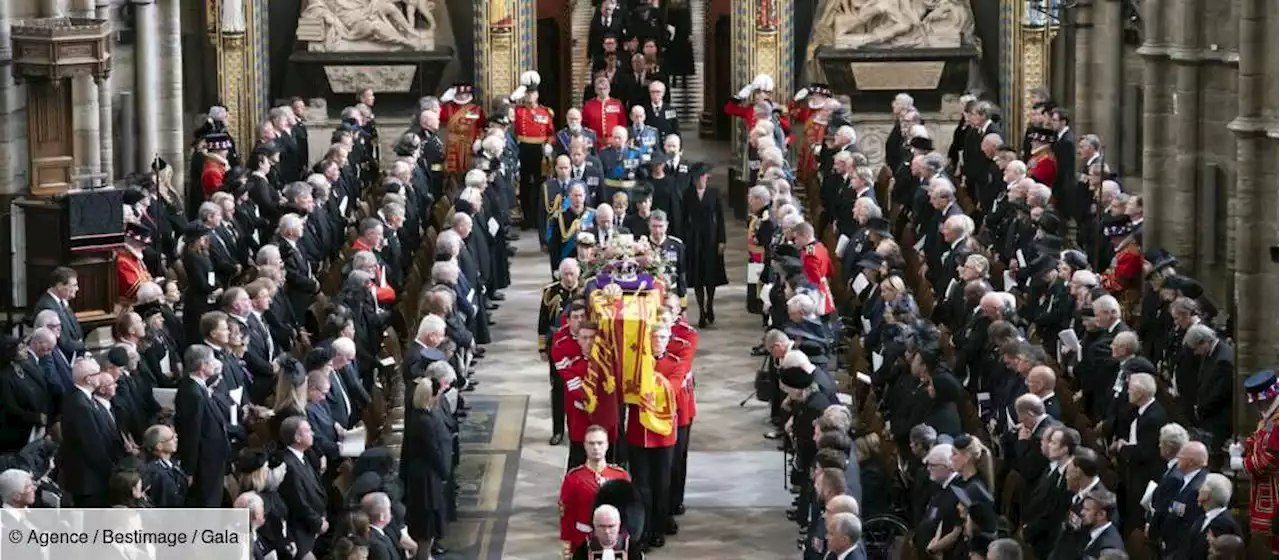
pixel 630 263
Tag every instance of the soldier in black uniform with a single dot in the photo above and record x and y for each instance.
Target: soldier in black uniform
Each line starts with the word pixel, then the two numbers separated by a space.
pixel 556 298
pixel 672 251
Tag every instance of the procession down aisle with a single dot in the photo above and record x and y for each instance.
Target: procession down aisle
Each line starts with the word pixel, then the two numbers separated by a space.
pixel 735 495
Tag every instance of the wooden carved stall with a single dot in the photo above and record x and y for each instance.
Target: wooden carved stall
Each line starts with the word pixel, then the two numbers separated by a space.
pixel 64 225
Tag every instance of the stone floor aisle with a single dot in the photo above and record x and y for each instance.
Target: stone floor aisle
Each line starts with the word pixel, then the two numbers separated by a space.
pixel 735 494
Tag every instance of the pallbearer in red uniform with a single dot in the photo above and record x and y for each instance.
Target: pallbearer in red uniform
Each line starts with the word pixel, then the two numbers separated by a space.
pixel 535 134
pixel 569 355
pixel 651 453
pixel 809 110
pixel 681 351
pixel 464 123
pixel 684 338
pixel 603 113
pixel 579 488
pixel 131 272
pixel 1257 456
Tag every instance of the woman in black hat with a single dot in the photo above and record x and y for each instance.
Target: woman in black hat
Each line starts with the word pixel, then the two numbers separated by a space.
pixel 704 242
pixel 202 284
pixel 254 474
pixel 24 397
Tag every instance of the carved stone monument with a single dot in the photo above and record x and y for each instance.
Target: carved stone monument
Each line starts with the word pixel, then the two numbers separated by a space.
pixel 878 48
pixel 368 25
pixel 387 45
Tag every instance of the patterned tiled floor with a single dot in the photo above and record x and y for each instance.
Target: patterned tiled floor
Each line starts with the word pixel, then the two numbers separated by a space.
pixel 735 491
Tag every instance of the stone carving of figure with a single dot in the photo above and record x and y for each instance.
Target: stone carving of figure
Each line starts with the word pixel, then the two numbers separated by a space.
pixel 500 13
pixel 883 24
pixel 388 22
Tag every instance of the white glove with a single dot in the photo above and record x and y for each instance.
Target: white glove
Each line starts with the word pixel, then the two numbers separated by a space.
pixel 801 94
pixel 763 82
pixel 671 31
pixel 475 146
pixel 745 92
pixel 1235 450
pixel 448 95
pixel 546 150
pixel 1237 464
pixel 518 94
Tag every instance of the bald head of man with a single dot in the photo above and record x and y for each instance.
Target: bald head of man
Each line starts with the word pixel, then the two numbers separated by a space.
pixel 1192 457
pixel 1041 380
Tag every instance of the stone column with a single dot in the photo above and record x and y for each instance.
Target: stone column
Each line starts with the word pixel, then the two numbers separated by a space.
pixel 171 134
pixel 1106 74
pixel 1253 204
pixel 146 82
pixel 1157 107
pixel 1178 198
pixel 106 113
pixel 85 117
pixel 13 115
pixel 1084 15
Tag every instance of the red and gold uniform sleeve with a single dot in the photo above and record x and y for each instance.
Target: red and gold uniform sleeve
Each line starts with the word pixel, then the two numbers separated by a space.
pixel 211 179
pixel 130 274
pixel 1045 171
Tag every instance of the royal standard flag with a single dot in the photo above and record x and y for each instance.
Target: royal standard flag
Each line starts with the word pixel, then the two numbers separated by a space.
pixel 622 363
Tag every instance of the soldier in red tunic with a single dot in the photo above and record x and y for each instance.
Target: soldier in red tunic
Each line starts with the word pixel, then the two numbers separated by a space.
pixel 1257 456
pixel 651 453
pixel 464 123
pixel 535 133
pixel 743 105
pixel 569 355
pixel 579 488
pixel 681 368
pixel 131 272
pixel 603 113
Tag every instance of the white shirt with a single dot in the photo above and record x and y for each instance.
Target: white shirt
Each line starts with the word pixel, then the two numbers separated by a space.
pixel 1133 426
pixel 846 553
pixel 1186 479
pixel 1209 516
pixel 298 454
pixel 1063 132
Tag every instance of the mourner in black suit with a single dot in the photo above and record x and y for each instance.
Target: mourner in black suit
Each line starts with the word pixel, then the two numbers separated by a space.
pixel 1137 442
pixel 1170 524
pixel 1216 519
pixel 88 449
pixel 64 284
pixel 165 481
pixel 1096 515
pixel 302 489
pixel 204 447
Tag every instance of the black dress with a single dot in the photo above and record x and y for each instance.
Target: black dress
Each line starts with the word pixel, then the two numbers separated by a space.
pixel 425 464
pixel 24 403
pixel 201 283
pixel 704 231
